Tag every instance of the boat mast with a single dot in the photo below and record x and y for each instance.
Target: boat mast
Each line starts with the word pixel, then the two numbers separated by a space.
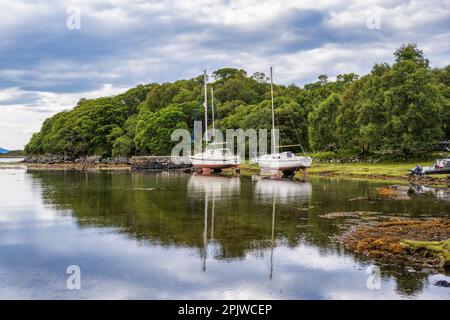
pixel 212 107
pixel 206 107
pixel 273 111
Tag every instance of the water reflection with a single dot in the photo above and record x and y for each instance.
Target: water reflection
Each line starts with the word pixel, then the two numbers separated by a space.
pixel 283 191
pixel 170 235
pixel 421 190
pixel 11 160
pixel 415 191
pixel 217 187
pixel 211 188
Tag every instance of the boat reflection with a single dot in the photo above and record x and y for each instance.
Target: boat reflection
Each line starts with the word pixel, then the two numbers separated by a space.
pixel 415 191
pixel 284 191
pixel 211 188
pixel 440 193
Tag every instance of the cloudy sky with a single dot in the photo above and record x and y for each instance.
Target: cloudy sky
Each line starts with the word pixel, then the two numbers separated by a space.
pixel 47 63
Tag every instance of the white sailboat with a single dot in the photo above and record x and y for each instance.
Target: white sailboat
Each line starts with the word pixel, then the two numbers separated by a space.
pixel 216 156
pixel 286 162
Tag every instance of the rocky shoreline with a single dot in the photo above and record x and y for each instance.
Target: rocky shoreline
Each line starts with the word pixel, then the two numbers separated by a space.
pixel 156 163
pixel 401 241
pixel 383 172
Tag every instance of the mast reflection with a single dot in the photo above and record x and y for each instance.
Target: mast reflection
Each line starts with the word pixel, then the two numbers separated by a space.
pixel 211 189
pixel 285 192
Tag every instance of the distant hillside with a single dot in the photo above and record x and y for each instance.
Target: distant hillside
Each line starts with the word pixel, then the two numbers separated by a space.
pixel 15 153
pixel 2 151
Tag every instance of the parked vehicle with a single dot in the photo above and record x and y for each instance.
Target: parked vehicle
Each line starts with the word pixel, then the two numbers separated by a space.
pixel 441 166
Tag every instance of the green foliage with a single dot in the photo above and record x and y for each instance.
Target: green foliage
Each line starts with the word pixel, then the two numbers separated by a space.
pixel 443 78
pixel 260 77
pixel 122 146
pixel 89 128
pixel 291 119
pixel 155 128
pixel 161 96
pixel 122 139
pixel 440 249
pixel 228 73
pixel 322 123
pixel 239 88
pixel 410 52
pixel 395 109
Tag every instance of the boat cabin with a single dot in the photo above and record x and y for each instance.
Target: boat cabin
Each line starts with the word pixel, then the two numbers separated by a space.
pixel 216 148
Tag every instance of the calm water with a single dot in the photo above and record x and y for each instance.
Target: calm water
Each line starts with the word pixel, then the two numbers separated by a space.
pixel 173 235
pixel 11 160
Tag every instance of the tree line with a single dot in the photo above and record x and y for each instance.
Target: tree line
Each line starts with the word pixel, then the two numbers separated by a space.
pixel 398 108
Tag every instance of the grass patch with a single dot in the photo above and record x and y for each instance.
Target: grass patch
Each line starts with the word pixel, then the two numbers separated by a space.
pixel 427 245
pixel 389 169
pixel 438 248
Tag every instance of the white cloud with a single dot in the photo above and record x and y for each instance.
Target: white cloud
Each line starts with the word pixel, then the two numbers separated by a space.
pixel 20 120
pixel 124 43
pixel 397 16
